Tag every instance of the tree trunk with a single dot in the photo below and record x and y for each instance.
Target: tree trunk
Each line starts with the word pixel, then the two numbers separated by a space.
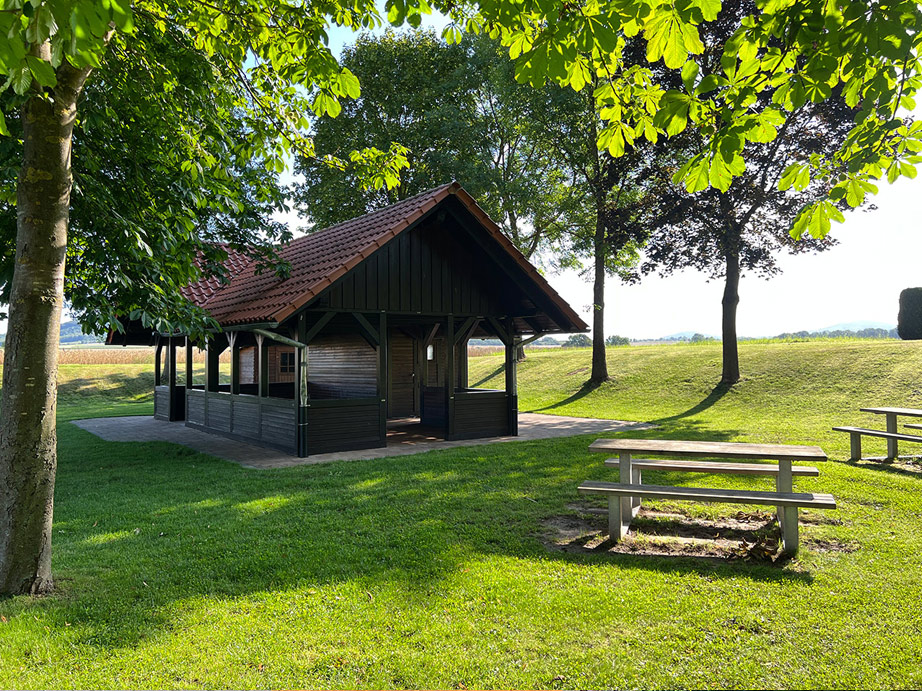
pixel 731 362
pixel 28 454
pixel 599 362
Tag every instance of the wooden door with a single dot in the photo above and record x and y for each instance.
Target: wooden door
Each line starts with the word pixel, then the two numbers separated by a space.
pixel 402 400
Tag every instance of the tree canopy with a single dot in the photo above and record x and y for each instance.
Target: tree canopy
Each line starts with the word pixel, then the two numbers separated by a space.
pixel 460 115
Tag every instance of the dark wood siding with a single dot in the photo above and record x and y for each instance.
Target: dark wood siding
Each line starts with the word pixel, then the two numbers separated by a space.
pixel 343 425
pixel 267 422
pixel 162 402
pixel 424 270
pixel 342 367
pixel 195 407
pixel 480 414
pixel 432 410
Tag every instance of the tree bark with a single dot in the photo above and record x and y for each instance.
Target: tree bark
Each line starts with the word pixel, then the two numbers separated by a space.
pixel 28 441
pixel 730 373
pixel 599 361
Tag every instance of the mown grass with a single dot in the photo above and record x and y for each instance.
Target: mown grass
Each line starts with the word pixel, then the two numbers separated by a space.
pixel 180 570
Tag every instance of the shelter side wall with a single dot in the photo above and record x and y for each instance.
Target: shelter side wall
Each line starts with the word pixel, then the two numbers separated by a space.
pixel 268 422
pixel 342 366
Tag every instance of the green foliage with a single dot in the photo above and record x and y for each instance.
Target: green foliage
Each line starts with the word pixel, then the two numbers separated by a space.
pixel 459 113
pixel 189 116
pixel 617 341
pixel 577 341
pixel 801 51
pixel 909 321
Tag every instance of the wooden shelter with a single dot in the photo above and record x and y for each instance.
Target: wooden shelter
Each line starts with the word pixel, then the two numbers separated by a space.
pixel 371 325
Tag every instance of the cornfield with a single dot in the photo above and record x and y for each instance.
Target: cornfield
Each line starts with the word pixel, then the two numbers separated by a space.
pixel 118 355
pixel 139 355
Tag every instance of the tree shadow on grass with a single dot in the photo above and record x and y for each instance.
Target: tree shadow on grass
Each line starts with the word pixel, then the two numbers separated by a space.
pixel 587 388
pixel 487 377
pixel 143 526
pixel 717 393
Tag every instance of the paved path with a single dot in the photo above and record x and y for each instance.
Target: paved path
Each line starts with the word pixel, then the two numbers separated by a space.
pixel 531 426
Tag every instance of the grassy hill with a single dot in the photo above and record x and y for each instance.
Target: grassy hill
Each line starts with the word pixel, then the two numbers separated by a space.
pixel 176 569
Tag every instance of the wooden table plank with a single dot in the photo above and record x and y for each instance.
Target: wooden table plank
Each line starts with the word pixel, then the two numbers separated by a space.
pixel 911 412
pixel 710 449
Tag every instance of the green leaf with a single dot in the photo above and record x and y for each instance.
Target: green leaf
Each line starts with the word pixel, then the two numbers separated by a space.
pixel 42 71
pixel 690 74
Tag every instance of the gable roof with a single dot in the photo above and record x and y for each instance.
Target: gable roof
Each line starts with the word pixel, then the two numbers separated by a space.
pixel 319 259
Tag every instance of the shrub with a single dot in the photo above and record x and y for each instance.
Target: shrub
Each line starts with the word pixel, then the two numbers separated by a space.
pixel 909 321
pixel 617 341
pixel 578 341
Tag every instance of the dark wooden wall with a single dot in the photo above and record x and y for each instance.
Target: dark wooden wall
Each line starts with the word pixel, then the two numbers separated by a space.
pixel 342 366
pixel 427 271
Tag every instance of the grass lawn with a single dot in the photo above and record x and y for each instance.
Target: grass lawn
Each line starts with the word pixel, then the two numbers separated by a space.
pixel 176 569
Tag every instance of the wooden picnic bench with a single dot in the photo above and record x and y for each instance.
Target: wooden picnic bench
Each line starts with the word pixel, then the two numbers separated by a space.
pixel 891 434
pixel 624 497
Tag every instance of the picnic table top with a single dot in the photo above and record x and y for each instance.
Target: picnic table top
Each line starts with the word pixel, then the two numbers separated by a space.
pixel 710 449
pixel 912 412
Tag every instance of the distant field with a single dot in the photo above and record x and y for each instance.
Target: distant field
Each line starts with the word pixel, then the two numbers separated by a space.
pixel 179 570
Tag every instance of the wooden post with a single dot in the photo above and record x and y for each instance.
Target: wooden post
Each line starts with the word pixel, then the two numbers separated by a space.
pixel 235 362
pixel 302 389
pixel 188 363
pixel 171 380
pixel 383 376
pixel 512 393
pixel 212 373
pixel 262 349
pixel 892 451
pixel 158 355
pixel 450 378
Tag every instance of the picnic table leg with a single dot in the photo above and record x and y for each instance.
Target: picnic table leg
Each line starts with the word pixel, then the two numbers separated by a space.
pixel 620 509
pixel 636 479
pixel 891 443
pixel 855 439
pixel 787 515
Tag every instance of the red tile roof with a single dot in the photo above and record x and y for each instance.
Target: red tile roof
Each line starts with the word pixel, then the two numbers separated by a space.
pixel 319 259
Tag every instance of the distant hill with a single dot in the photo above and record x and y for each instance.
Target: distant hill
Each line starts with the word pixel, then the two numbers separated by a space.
pixel 71 334
pixel 858 326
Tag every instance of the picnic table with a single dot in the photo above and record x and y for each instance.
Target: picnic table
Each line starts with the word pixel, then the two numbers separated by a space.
pixel 625 497
pixel 891 434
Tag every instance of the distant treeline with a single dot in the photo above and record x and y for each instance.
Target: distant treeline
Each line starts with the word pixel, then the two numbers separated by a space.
pixel 845 333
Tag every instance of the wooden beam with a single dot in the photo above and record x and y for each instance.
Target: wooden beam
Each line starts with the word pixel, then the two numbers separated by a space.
pixel 158 357
pixel 531 339
pixel 312 332
pixel 369 332
pixel 512 394
pixel 427 341
pixel 171 360
pixel 500 331
pixel 262 349
pixel 302 389
pixel 450 378
pixel 278 338
pixel 188 363
pixel 212 373
pixel 383 376
pixel 235 362
pixel 465 329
